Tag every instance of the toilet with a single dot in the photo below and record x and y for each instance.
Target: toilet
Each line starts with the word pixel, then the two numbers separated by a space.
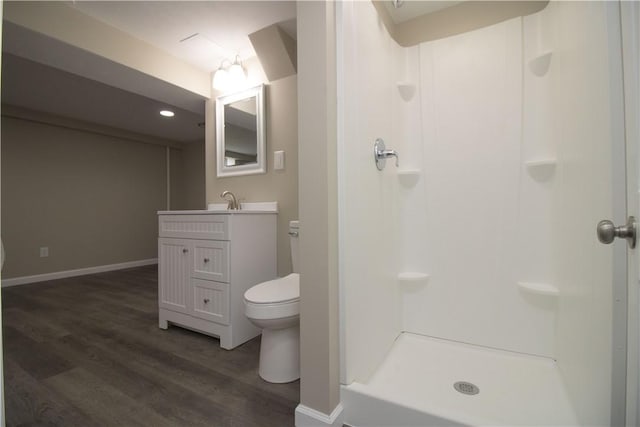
pixel 274 306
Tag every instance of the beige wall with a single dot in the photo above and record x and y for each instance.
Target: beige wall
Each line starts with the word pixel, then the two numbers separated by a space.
pixel 193 156
pixel 319 341
pixel 92 199
pixel 187 176
pixel 177 197
pixel 282 185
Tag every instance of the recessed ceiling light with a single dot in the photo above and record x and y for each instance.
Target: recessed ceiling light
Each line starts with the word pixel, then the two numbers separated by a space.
pixel 167 113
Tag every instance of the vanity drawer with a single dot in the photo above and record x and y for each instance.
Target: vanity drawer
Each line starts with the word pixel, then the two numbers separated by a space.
pixel 210 300
pixel 214 227
pixel 211 260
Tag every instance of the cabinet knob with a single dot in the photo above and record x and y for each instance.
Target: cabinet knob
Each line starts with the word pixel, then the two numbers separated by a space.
pixel 185 250
pixel 206 260
pixel 206 300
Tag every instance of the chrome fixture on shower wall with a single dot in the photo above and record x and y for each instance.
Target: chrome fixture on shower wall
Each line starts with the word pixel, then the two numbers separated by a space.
pixel 381 154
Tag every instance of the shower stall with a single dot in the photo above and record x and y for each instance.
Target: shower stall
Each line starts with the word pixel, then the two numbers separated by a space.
pixel 473 288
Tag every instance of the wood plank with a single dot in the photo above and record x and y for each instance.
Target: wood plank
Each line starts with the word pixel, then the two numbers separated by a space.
pixel 94 397
pixel 88 351
pixel 242 362
pixel 12 298
pixel 37 359
pixel 219 387
pixel 136 368
pixel 30 402
pixel 32 326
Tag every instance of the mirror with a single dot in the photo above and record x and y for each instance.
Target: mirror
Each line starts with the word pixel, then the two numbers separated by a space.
pixel 240 133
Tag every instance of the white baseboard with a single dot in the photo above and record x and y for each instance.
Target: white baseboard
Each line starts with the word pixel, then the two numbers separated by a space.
pixel 72 273
pixel 307 417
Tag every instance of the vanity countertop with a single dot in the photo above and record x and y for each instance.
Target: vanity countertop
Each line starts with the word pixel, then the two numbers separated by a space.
pixel 221 209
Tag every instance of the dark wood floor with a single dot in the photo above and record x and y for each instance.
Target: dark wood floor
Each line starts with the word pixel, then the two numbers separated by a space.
pixel 87 351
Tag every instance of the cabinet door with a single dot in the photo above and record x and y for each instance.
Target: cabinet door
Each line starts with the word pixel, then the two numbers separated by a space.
pixel 211 260
pixel 174 261
pixel 210 300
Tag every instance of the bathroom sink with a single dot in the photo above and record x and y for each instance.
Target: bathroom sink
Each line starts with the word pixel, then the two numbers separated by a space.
pixel 249 207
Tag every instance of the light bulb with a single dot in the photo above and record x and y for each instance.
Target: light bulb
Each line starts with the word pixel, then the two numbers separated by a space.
pixel 221 79
pixel 237 76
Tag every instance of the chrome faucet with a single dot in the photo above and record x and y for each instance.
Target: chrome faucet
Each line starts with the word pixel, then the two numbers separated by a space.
pixel 233 202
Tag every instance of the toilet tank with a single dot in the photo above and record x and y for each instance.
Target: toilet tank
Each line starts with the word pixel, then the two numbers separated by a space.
pixel 294 230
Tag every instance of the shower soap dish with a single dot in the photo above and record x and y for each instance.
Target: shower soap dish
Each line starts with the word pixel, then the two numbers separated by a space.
pixel 540 64
pixel 413 278
pixel 541 170
pixel 408 177
pixel 407 90
pixel 538 289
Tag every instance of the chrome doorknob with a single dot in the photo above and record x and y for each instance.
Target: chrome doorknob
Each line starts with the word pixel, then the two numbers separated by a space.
pixel 607 232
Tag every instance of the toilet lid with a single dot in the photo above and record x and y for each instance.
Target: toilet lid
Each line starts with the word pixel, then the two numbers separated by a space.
pixel 275 291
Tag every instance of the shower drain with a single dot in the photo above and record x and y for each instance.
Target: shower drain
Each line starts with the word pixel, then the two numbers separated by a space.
pixel 466 388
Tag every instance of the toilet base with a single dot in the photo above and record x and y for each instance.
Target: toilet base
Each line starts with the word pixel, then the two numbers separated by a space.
pixel 280 355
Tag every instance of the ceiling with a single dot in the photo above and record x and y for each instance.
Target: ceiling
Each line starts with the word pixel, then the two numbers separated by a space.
pixel 213 30
pixel 35 86
pixel 202 33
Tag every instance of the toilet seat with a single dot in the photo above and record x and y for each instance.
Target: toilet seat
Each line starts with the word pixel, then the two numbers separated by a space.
pixel 272 311
pixel 275 299
pixel 282 290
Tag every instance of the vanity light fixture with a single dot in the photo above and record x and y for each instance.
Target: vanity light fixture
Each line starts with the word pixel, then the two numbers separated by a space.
pixel 237 75
pixel 167 113
pixel 221 77
pixel 231 77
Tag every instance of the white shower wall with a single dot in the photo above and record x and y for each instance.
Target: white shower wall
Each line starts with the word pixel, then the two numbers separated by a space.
pixel 585 80
pixel 461 132
pixel 505 168
pixel 471 216
pixel 368 200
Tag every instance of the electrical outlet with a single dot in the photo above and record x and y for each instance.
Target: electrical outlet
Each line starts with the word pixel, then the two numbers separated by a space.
pixel 44 252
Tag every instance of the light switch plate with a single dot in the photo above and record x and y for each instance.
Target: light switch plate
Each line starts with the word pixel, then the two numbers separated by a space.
pixel 278 160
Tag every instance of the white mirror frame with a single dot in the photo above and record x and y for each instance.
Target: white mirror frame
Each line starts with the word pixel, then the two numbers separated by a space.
pixel 261 144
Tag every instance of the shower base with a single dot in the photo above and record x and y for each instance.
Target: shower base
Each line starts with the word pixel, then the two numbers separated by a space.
pixel 414 386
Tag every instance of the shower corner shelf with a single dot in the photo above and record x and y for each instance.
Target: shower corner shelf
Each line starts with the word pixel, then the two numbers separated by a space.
pixel 538 289
pixel 540 64
pixel 413 278
pixel 541 170
pixel 408 177
pixel 406 89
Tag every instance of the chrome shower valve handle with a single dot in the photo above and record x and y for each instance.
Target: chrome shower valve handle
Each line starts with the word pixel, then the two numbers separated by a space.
pixel 381 154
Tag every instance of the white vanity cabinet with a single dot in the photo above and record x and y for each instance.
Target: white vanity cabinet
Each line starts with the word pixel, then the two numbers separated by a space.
pixel 206 262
